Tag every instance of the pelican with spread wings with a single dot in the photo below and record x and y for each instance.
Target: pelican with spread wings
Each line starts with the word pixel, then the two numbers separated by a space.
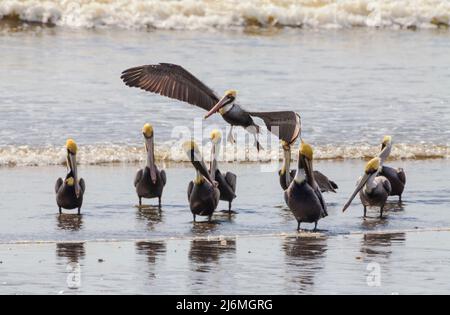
pixel 175 82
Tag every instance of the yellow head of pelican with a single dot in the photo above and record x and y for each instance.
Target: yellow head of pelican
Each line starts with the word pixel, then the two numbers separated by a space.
pixel 189 146
pixel 147 130
pixel 227 99
pixel 215 136
pixel 231 93
pixel 387 140
pixel 306 150
pixel 373 165
pixel 71 146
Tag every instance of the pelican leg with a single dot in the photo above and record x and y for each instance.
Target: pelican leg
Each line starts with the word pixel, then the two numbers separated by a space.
pixel 400 199
pixel 365 211
pixel 209 218
pixel 381 211
pixel 159 202
pixel 140 202
pixel 257 144
pixel 60 210
pixel 230 137
pixel 193 217
pixel 79 210
pixel 254 130
pixel 298 226
pixel 315 226
pixel 229 207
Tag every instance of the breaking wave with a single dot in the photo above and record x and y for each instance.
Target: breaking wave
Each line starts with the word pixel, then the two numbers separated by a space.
pixel 172 152
pixel 229 14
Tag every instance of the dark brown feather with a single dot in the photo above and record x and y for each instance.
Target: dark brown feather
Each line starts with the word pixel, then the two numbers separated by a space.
pixel 172 81
pixel 284 124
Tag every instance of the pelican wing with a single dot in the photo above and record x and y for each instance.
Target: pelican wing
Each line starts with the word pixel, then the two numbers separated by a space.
pixel 231 180
pixel 138 177
pixel 163 177
pixel 58 184
pixel 322 202
pixel 402 175
pixel 190 188
pixel 172 81
pixel 82 185
pixel 325 184
pixel 285 124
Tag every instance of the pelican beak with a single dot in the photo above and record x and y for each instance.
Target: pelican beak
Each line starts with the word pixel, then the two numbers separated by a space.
pixel 218 106
pixel 287 165
pixel 72 161
pixel 361 184
pixel 306 164
pixel 149 146
pixel 199 164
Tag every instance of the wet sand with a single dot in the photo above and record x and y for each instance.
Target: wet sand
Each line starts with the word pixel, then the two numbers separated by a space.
pixel 123 249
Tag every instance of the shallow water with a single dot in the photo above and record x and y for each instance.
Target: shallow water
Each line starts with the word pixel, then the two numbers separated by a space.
pixel 110 211
pixel 350 87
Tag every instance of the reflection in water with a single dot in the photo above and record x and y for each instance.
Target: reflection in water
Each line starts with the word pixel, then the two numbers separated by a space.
pixel 152 250
pixel 304 257
pixel 373 223
pixel 150 215
pixel 70 222
pixel 379 244
pixel 394 206
pixel 206 254
pixel 72 251
pixel 204 227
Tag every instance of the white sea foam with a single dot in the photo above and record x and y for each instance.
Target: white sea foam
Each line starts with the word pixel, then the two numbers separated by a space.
pixel 172 152
pixel 211 14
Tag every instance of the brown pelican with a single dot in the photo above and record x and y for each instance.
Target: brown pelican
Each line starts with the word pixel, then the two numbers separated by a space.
pixel 227 183
pixel 69 192
pixel 175 82
pixel 203 194
pixel 396 176
pixel 150 181
pixel 287 175
pixel 303 195
pixel 373 188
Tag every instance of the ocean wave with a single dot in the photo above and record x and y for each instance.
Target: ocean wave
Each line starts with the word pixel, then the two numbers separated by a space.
pixel 230 14
pixel 172 152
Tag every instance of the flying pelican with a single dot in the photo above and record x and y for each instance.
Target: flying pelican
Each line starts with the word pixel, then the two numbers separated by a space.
pixel 203 193
pixel 373 188
pixel 396 176
pixel 69 192
pixel 150 181
pixel 287 175
pixel 227 183
pixel 175 82
pixel 303 195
